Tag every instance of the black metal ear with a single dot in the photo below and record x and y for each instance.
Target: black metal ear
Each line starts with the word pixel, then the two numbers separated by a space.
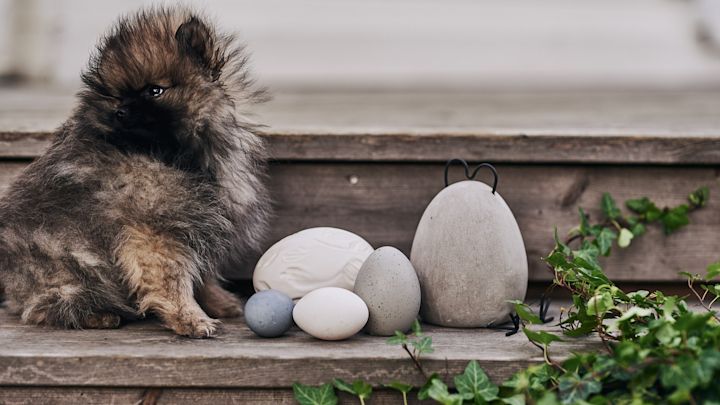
pixel 196 40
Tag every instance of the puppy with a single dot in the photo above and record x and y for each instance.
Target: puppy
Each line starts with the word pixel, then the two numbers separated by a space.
pixel 151 186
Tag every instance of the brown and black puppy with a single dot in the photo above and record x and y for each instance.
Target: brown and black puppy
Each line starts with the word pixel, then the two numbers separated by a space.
pixel 153 184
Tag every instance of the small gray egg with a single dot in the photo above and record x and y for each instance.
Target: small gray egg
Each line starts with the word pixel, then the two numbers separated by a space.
pixel 389 286
pixel 269 313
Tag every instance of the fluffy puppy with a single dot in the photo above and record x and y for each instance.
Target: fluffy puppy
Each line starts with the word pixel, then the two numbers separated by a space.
pixel 153 184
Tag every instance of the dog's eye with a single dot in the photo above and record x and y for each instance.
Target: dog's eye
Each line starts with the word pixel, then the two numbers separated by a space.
pixel 155 91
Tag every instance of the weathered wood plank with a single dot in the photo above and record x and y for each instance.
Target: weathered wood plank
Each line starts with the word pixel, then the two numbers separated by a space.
pixel 617 128
pixel 383 202
pixel 142 354
pixel 172 396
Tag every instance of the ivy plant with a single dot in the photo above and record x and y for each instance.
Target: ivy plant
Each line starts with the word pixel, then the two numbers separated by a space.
pixel 656 349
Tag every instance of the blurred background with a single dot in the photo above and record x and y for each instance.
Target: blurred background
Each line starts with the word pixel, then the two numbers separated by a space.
pixel 458 45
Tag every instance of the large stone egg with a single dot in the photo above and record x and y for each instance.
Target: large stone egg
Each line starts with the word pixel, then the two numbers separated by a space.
pixel 469 256
pixel 311 259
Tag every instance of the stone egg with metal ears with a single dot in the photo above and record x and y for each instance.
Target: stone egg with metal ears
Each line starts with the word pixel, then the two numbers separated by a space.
pixel 469 255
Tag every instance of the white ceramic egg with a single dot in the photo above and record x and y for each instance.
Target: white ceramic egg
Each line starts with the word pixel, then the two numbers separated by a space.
pixel 312 259
pixel 331 313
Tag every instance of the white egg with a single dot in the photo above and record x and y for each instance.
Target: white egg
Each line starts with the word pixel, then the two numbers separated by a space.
pixel 331 313
pixel 311 259
pixel 469 256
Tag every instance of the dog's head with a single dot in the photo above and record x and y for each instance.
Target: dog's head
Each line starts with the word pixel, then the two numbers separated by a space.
pixel 162 77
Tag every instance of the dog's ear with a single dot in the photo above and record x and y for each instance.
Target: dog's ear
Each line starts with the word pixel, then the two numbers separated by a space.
pixel 197 41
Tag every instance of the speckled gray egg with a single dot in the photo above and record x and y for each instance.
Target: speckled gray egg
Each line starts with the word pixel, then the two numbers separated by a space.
pixel 269 313
pixel 470 257
pixel 389 286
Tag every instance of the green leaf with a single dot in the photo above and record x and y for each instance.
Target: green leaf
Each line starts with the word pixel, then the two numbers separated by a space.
pixel 600 303
pixel 675 218
pixel 625 238
pixel 638 229
pixel 609 207
pixel 417 330
pixel 423 345
pixel 423 392
pixel 574 389
pixel 398 339
pixel 712 271
pixel 439 392
pixel 640 205
pixel 518 399
pixel 634 312
pixel 400 386
pixel 542 337
pixel 343 386
pixel 322 395
pixel 474 384
pixel 362 389
pixel 605 239
pixel 526 314
pixel 699 197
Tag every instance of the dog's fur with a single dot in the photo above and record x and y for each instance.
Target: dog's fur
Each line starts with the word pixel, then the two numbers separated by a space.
pixel 140 200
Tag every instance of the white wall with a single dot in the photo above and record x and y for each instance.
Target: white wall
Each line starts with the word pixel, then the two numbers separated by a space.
pixel 460 44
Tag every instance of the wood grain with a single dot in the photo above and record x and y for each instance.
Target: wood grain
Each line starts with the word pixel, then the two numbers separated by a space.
pixel 174 396
pixel 143 354
pixel 604 127
pixel 387 200
pixel 383 203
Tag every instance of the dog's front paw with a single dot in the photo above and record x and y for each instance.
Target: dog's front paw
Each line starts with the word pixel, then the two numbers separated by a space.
pixel 102 321
pixel 198 328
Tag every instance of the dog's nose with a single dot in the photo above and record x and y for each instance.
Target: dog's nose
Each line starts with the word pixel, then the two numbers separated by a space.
pixel 121 113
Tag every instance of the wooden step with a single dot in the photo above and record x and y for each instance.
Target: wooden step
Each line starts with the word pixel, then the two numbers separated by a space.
pixel 125 363
pixel 370 163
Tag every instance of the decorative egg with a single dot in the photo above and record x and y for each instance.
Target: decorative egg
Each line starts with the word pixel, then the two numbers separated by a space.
pixel 311 259
pixel 269 313
pixel 331 313
pixel 469 256
pixel 389 286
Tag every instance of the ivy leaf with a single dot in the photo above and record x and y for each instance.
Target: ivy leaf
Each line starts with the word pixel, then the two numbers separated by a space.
pixel 638 229
pixel 699 197
pixel 605 239
pixel 439 392
pixel 675 218
pixel 713 271
pixel 542 337
pixel 474 384
pixel 343 386
pixel 574 389
pixel 600 303
pixel 518 399
pixel 526 314
pixel 362 389
pixel 640 205
pixel 609 207
pixel 625 238
pixel 398 339
pixel 423 394
pixel 400 386
pixel 322 395
pixel 423 345
pixel 417 330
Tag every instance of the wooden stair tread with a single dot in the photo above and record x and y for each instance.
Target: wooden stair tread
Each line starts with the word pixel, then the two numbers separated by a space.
pixel 601 127
pixel 143 354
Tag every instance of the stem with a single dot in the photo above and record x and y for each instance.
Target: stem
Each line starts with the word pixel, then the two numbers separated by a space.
pixel 415 361
pixel 690 285
pixel 362 401
pixel 404 398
